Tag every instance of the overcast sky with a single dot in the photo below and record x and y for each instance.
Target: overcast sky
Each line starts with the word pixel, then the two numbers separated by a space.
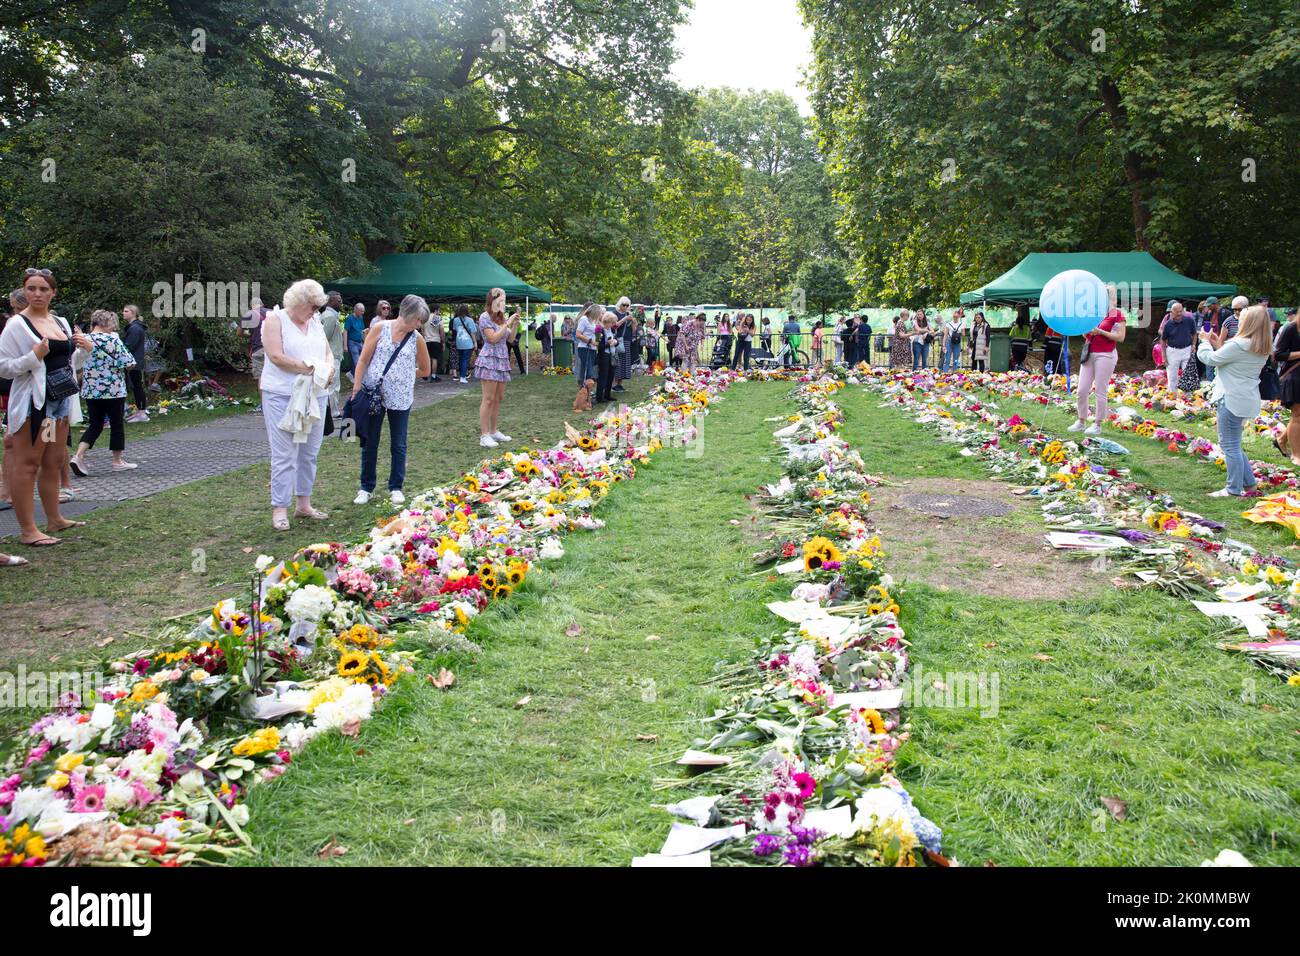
pixel 746 44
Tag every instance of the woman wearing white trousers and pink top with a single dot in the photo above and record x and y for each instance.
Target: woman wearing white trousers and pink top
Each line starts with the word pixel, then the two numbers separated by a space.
pixel 295 345
pixel 1095 373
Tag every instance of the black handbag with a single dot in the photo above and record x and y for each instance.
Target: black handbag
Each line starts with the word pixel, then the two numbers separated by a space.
pixel 368 403
pixel 60 383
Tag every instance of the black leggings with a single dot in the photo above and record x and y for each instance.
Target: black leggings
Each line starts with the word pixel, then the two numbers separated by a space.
pixel 135 378
pixel 514 347
pixel 96 409
pixel 743 348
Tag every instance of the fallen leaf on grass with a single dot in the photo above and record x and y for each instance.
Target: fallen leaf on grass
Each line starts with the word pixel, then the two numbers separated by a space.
pixel 647 738
pixel 1092 700
pixel 523 701
pixel 1118 808
pixel 990 644
pixel 331 850
pixel 1268 707
pixel 573 630
pixel 1041 657
pixel 444 679
pixel 407 823
pixel 351 728
pixel 246 550
pixel 55 658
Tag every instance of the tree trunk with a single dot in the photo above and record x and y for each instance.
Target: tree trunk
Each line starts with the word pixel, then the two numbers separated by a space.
pixel 1138 175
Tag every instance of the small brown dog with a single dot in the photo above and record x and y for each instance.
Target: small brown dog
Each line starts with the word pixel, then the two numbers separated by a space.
pixel 582 401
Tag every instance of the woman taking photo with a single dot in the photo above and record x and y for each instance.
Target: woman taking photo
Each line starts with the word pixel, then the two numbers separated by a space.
pixel 1286 353
pixel 493 366
pixel 744 342
pixel 103 386
pixel 36 350
pixel 1096 370
pixel 922 335
pixel 391 360
pixel 1236 388
pixel 296 348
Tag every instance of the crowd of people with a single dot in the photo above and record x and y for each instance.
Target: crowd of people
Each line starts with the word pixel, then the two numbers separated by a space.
pixel 305 350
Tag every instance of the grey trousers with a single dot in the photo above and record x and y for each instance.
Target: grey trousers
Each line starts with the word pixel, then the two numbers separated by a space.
pixel 293 465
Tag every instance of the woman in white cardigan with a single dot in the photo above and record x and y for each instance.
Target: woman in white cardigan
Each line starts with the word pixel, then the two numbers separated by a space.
pixel 295 345
pixel 34 342
pixel 1236 391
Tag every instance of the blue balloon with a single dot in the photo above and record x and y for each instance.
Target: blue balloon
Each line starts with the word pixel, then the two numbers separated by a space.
pixel 1074 301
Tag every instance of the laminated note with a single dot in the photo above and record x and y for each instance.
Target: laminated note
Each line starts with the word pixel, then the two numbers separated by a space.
pixel 700 758
pixel 1249 614
pixel 702 858
pixel 837 822
pixel 791 567
pixel 889 699
pixel 796 612
pixel 699 810
pixel 1086 542
pixel 684 839
pixel 1241 591
pixel 835 629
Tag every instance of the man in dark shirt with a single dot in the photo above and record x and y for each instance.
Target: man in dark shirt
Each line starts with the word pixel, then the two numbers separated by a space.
pixel 863 333
pixel 1178 333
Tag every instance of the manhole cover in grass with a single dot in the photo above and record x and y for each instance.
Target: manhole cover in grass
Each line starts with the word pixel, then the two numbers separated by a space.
pixel 955 506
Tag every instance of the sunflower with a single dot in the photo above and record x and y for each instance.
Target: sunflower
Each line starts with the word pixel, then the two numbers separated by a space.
pixel 588 443
pixel 521 507
pixel 471 484
pixel 352 664
pixel 818 551
pixel 501 591
pixel 516 573
pixel 872 717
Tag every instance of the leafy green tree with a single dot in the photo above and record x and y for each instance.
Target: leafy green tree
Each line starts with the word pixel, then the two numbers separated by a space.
pixel 825 286
pixel 117 201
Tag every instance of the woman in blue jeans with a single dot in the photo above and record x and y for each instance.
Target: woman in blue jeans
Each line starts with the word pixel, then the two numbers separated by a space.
pixel 1236 392
pixel 922 336
pixel 393 356
pixel 462 332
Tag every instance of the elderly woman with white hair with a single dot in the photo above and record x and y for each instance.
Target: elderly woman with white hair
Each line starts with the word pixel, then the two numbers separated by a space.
pixel 295 383
pixel 392 358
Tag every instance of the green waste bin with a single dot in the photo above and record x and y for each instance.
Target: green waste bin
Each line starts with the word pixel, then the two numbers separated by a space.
pixel 999 350
pixel 562 352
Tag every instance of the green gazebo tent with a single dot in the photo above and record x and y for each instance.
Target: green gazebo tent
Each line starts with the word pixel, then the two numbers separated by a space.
pixel 438 276
pixel 1025 280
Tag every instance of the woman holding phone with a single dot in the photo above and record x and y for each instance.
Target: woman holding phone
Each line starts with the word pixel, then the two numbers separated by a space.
pixel 493 365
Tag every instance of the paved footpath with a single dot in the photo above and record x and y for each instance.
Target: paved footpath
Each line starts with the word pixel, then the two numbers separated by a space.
pixel 181 456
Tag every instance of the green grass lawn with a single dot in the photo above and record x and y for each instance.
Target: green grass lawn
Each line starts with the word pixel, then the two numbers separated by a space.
pixel 467 777
pixel 1135 703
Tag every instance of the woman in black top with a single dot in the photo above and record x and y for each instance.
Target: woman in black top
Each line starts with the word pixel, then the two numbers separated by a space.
pixel 34 346
pixel 1286 353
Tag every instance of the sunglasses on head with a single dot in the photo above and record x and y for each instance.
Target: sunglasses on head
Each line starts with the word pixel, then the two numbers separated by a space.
pixel 43 273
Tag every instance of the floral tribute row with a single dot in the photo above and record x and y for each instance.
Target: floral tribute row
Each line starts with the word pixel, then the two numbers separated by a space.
pixel 1027 388
pixel 1081 493
pixel 802 755
pixel 153 766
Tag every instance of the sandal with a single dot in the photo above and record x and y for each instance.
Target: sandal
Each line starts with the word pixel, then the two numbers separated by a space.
pixel 68 524
pixel 315 513
pixel 280 523
pixel 12 561
pixel 44 542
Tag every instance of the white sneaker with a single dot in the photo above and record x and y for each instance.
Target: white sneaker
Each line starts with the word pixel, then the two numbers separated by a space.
pixel 1076 426
pixel 463 381
pixel 1093 429
pixel 1222 493
pixel 487 441
pixel 397 497
pixel 362 498
pixel 500 438
pixel 124 465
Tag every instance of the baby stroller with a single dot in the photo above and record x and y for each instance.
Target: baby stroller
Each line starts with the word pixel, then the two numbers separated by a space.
pixel 721 353
pixel 763 358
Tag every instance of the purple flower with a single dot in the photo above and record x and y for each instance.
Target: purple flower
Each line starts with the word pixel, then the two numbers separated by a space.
pixel 797 854
pixel 1132 534
pixel 765 844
